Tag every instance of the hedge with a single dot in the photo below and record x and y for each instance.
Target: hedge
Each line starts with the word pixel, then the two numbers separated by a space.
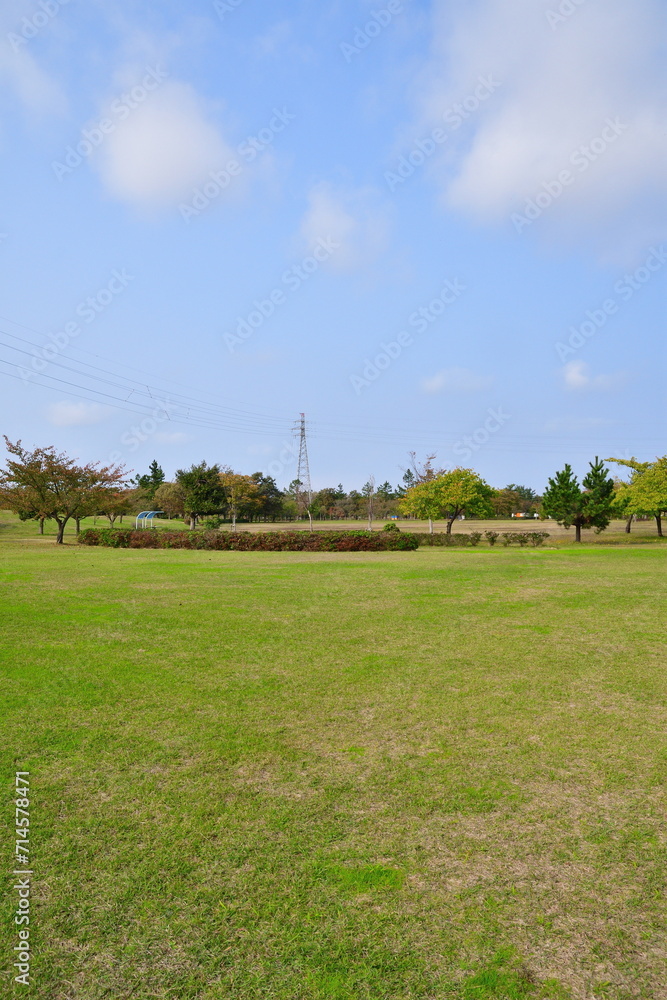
pixel 251 541
pixel 460 538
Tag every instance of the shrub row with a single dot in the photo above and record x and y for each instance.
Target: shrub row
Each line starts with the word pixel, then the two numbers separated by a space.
pixel 522 538
pixel 251 541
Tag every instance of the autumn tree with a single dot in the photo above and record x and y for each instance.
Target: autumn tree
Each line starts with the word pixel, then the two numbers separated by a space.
pixel 505 502
pixel 52 484
pixel 449 494
pixel 588 507
pixel 526 497
pixel 117 503
pixel 242 495
pixel 170 497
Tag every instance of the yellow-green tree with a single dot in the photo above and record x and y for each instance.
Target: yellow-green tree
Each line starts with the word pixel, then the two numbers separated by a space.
pixel 448 495
pixel 242 493
pixel 646 493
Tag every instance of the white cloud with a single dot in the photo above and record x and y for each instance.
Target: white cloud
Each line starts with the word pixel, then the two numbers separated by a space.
pixel 163 150
pixel 558 87
pixel 457 380
pixel 68 414
pixel 576 377
pixel 353 219
pixel 35 88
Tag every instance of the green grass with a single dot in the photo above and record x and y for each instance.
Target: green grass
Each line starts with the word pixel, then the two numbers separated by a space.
pixel 427 775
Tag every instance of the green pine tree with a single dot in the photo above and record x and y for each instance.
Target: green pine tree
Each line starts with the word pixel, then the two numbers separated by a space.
pixel 591 507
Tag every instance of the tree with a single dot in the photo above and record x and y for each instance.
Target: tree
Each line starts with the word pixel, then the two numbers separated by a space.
pixel 647 489
pixel 203 493
pixel 33 515
pixel 241 493
pixel 449 494
pixel 270 497
pixel 151 481
pixel 53 485
pixel 505 502
pixel 526 498
pixel 170 497
pixel 368 491
pixel 648 492
pixel 591 507
pixel 300 501
pixel 620 502
pixel 117 503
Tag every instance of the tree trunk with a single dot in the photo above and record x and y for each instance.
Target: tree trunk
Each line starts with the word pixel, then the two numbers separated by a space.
pixel 658 521
pixel 450 522
pixel 193 522
pixel 61 529
pixel 310 518
pixel 41 525
pixel 233 520
pixel 577 529
pixel 430 526
pixel 628 525
pixel 78 524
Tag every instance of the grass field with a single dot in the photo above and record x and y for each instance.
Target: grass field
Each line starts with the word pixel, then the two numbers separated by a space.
pixel 437 774
pixel 13 529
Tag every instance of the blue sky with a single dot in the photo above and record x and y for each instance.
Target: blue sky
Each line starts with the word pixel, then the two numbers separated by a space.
pixel 429 226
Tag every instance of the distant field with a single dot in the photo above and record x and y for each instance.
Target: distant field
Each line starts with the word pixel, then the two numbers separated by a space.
pixel 387 776
pixel 12 528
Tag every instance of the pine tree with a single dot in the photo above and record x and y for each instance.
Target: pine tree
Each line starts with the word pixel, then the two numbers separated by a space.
pixel 591 507
pixel 151 481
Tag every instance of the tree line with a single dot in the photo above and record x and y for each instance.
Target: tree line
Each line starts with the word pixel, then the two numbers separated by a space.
pixel 44 484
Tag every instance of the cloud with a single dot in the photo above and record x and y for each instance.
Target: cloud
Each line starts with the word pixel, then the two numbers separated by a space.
pixel 163 149
pixel 68 414
pixel 576 377
pixel 353 219
pixel 456 380
pixel 558 86
pixel 37 91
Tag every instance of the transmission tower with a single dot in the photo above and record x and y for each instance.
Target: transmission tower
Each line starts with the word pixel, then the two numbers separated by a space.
pixel 303 470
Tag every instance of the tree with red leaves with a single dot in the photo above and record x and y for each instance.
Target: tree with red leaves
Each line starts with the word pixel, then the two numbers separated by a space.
pixel 53 486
